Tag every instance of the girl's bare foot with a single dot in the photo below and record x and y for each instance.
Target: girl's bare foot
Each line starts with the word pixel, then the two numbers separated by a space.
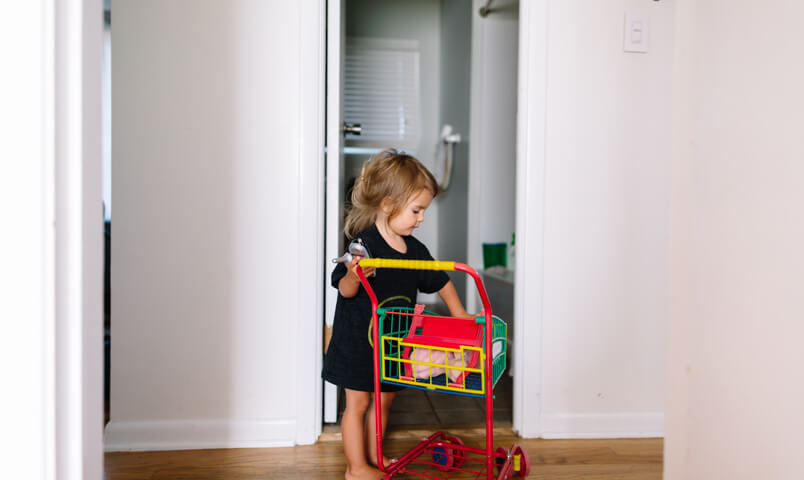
pixel 365 472
pixel 385 461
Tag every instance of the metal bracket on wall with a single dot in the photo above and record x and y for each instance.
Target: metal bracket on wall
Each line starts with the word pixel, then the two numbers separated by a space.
pixel 485 10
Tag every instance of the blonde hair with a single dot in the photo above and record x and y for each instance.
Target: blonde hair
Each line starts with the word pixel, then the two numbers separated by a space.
pixel 389 174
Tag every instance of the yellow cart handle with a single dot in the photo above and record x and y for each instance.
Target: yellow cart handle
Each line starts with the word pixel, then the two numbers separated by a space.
pixel 407 264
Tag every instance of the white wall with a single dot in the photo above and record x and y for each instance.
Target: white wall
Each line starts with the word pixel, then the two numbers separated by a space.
pixel 600 251
pixel 735 386
pixel 217 151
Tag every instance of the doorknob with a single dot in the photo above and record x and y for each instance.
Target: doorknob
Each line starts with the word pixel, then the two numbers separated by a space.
pixel 353 128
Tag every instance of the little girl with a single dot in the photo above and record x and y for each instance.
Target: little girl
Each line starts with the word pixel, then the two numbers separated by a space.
pixel 388 203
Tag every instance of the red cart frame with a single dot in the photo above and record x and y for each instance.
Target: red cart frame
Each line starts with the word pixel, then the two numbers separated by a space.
pixel 440 453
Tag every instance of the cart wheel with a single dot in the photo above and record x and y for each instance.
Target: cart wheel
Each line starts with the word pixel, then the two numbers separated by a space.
pixel 442 457
pixel 524 461
pixel 457 455
pixel 501 460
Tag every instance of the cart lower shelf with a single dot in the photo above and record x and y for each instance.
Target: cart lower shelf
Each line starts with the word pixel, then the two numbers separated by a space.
pixel 441 457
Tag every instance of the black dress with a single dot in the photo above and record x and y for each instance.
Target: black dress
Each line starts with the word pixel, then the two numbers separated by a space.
pixel 349 361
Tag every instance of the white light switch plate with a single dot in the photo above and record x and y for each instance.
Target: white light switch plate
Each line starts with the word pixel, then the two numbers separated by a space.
pixel 637 32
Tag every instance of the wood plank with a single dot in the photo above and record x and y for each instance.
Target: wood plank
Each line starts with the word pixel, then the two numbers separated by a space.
pixel 603 459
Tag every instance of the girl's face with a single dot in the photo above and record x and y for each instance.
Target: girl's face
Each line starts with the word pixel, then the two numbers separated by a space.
pixel 412 214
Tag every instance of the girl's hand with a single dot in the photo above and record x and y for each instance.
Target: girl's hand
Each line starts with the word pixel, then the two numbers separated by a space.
pixel 461 313
pixel 352 267
pixel 350 283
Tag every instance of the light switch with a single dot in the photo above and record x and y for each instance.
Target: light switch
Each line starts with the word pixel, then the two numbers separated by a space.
pixel 636 32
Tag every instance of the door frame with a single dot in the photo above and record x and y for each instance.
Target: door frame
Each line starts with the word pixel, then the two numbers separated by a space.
pixel 530 162
pixel 57 352
pixel 78 354
pixel 311 210
pixel 334 27
pixel 530 189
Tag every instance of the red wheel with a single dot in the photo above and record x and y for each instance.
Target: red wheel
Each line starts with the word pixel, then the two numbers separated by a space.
pixel 501 457
pixel 458 455
pixel 524 461
pixel 443 458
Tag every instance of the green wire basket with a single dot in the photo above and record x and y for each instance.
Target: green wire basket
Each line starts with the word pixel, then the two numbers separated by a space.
pixel 395 325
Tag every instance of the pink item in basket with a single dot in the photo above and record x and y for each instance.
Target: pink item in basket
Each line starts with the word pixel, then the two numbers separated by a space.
pixel 441 357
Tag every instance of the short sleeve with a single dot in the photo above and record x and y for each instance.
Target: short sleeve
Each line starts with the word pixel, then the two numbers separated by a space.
pixel 337 274
pixel 430 281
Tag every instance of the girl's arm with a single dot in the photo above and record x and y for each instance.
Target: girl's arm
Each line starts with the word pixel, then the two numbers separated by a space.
pixel 350 283
pixel 450 297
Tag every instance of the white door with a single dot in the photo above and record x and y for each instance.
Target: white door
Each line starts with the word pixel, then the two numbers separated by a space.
pixel 334 184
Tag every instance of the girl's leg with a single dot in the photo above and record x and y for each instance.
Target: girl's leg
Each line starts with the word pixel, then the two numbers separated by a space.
pixel 353 440
pixel 386 398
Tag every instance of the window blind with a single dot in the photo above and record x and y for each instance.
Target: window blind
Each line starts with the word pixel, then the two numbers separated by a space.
pixel 381 92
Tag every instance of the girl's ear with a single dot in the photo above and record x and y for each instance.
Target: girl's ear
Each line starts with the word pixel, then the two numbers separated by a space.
pixel 386 205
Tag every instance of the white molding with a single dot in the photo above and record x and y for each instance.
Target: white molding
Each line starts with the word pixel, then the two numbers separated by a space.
pixel 603 425
pixel 309 334
pixel 530 168
pixel 333 116
pixel 334 142
pixel 199 434
pixel 78 240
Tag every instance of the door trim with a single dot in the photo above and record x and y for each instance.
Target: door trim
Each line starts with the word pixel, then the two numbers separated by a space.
pixel 530 167
pixel 74 27
pixel 310 201
pixel 333 27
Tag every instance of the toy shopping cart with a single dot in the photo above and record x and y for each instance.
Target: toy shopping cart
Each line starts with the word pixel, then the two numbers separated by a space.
pixel 458 356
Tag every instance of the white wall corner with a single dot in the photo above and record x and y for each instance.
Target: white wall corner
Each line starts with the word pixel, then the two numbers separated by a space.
pixel 603 425
pixel 198 434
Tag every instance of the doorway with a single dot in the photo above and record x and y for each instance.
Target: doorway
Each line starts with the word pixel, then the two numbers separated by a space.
pixel 457 74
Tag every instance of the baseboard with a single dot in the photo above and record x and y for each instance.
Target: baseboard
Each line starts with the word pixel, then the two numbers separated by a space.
pixel 603 425
pixel 198 434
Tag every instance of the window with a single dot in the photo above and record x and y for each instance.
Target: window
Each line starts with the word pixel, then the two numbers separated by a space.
pixel 381 92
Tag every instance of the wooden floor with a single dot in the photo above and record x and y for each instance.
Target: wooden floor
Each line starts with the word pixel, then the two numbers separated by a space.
pixel 626 459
